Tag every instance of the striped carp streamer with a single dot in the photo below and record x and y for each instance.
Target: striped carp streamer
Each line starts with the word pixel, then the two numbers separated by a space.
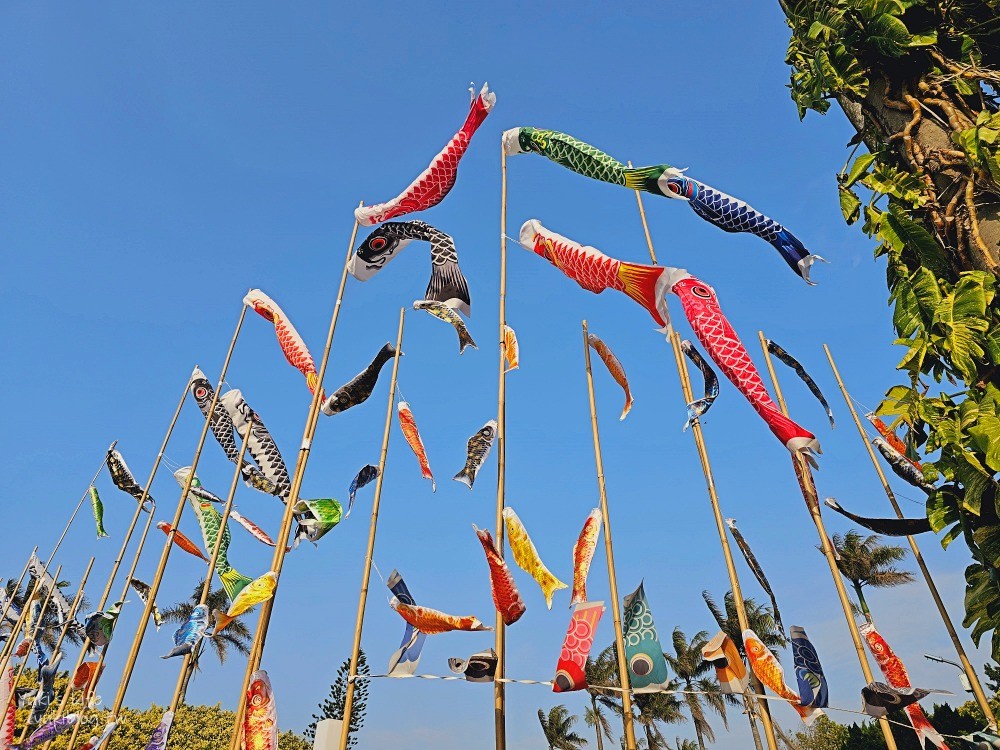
pixel 511 349
pixel 57 600
pixel 506 598
pixel 366 476
pixel 260 723
pixel 409 427
pixel 434 183
pixel 724 211
pixel 583 554
pixel 901 466
pixel 476 451
pixel 648 285
pixel 260 590
pixel 614 367
pixel 647 669
pixel 406 658
pixel 445 313
pixel 431 621
pixel 124 480
pixel 142 589
pixel 768 670
pixel 813 690
pixel 884 526
pixel 896 675
pixel 181 541
pixel 526 556
pixel 700 406
pixel 730 671
pixel 804 376
pixel 261 445
pixel 98 508
pixel 571 669
pixel 890 436
pixel 291 343
pixel 447 285
pixel 756 569
pixel 158 740
pixel 359 388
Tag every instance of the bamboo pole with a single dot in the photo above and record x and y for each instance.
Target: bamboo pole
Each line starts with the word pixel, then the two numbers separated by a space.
pixel 352 671
pixel 154 586
pixel 645 224
pixel 17 587
pixel 500 629
pixel 70 618
pixel 970 672
pixel 808 487
pixel 9 646
pixel 763 710
pixel 616 614
pixel 305 448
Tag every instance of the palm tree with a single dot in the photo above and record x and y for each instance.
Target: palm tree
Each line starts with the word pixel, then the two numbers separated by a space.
pixel 691 669
pixel 686 744
pixel 865 562
pixel 558 729
pixel 236 636
pixel 51 624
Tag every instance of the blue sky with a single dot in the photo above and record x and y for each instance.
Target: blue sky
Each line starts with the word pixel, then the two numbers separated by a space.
pixel 160 161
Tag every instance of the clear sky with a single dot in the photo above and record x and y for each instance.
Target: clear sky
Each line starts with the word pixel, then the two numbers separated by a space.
pixel 159 161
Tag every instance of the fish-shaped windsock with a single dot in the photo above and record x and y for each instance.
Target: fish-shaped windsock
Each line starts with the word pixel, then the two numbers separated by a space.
pixel 511 349
pixel 409 427
pixel 291 343
pixel 124 480
pixel 447 285
pixel 431 621
pixel 7 722
pixel 647 285
pixel 48 731
pixel 445 313
pixel 583 553
pixel 260 724
pixel 476 451
pixel 181 541
pixel 724 211
pixel 187 636
pixel 359 388
pixel 890 436
pixel 224 431
pixel 365 476
pixel 878 699
pixel 158 740
pixel 756 569
pixel 98 508
pixel 647 669
pixel 256 531
pixel 86 675
pixel 261 445
pixel 197 489
pixel 896 675
pixel 571 669
pixel 526 556
pixel 215 535
pixel 480 667
pixel 434 183
pixel 406 658
pixel 259 590
pixel 700 406
pixel 46 684
pixel 901 466
pixel 768 670
pixel 100 626
pixel 793 363
pixel 506 598
pixel 614 367
pixel 884 526
pixel 316 518
pixel 57 599
pixel 813 690
pixel 97 741
pixel 730 671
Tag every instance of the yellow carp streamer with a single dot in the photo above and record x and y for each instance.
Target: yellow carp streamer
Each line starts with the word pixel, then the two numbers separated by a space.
pixel 252 594
pixel 511 350
pixel 769 671
pixel 526 556
pixel 583 553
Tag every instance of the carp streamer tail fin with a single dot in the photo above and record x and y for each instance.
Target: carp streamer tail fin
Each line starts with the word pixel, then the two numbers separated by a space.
pixel 466 477
pixel 233 582
pixel 795 254
pixel 465 340
pixel 222 621
pixel 644 178
pixel 448 286
pixel 642 283
pixel 481 106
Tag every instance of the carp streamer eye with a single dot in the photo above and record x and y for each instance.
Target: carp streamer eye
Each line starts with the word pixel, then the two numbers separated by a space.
pixel 641 665
pixel 563 681
pixel 674 188
pixel 700 291
pixel 200 392
pixel 378 243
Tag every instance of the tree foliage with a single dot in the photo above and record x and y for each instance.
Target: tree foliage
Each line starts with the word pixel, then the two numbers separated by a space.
pixel 919 81
pixel 557 726
pixel 332 707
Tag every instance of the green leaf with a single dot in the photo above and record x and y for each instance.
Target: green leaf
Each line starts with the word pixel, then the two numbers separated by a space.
pixel 961 317
pixel 915 236
pixel 888 35
pixel 923 40
pixel 952 534
pixel 985 434
pixel 942 508
pixel 850 205
pixel 900 185
pixel 858 168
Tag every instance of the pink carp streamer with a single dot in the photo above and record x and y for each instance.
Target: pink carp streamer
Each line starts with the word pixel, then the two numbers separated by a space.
pixel 292 345
pixel 648 285
pixel 437 180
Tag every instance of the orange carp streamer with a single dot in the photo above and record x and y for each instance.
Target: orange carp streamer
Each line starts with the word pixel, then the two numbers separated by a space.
pixel 431 621
pixel 583 553
pixel 506 598
pixel 182 541
pixel 527 558
pixel 614 367
pixel 890 436
pixel 409 427
pixel 769 671
pixel 260 725
pixel 292 345
pixel 511 350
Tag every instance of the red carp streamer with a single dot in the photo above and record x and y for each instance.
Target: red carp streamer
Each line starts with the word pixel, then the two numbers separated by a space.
pixel 409 427
pixel 291 343
pixel 506 597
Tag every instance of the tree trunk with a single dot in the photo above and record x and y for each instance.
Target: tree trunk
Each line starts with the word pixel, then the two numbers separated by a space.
pixel 864 605
pixel 597 722
pixel 752 718
pixel 697 731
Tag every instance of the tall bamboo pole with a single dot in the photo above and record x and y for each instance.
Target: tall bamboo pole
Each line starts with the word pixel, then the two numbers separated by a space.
pixel 808 487
pixel 609 553
pixel 645 224
pixel 154 586
pixel 305 448
pixel 970 672
pixel 10 645
pixel 500 629
pixel 70 618
pixel 352 671
pixel 763 710
pixel 17 587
